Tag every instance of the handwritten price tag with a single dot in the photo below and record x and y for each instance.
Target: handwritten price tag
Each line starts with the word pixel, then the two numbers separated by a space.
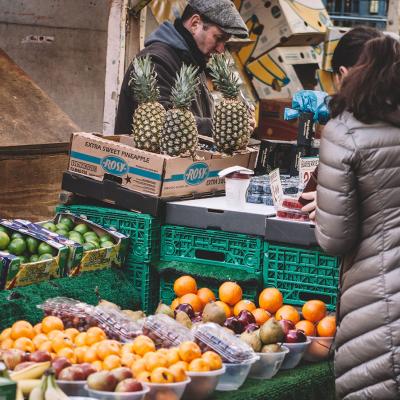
pixel 276 187
pixel 307 166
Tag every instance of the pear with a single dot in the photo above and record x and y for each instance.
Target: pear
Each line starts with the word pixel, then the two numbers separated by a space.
pixel 183 319
pixel 164 309
pixel 134 315
pixel 271 348
pixel 253 340
pixel 213 313
pixel 271 332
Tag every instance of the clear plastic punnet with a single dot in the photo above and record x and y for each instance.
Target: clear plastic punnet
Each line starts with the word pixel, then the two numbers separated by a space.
pixel 165 331
pixel 82 316
pixel 292 214
pixel 291 202
pixel 210 336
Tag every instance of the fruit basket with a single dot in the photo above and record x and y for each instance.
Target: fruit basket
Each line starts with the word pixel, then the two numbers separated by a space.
pixel 202 384
pixel 268 364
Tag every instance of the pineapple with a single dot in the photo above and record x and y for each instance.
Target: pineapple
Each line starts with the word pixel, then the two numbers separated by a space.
pixel 149 116
pixel 180 135
pixel 231 122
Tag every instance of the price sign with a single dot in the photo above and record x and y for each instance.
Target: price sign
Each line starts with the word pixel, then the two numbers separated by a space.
pixel 276 187
pixel 307 166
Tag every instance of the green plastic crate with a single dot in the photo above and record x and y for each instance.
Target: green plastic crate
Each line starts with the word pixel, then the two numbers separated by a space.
pixel 143 229
pixel 145 280
pixel 235 250
pixel 167 294
pixel 301 274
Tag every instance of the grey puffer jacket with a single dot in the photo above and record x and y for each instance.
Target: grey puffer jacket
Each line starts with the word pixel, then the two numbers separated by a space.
pixel 358 217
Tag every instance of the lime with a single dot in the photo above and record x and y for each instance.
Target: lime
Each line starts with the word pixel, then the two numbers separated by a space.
pixel 4 240
pixel 89 246
pixel 44 248
pixel 17 246
pixel 16 235
pixel 76 237
pixel 3 229
pixel 62 232
pixel 105 238
pixel 32 244
pixel 90 234
pixel 50 226
pixel 81 228
pixel 67 222
pixel 33 258
pixel 95 243
pixel 45 256
pixel 62 226
pixel 107 243
pixel 23 259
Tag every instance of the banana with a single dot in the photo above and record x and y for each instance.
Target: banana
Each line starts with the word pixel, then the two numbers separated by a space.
pixel 27 385
pixel 36 394
pixel 32 372
pixel 53 392
pixel 19 395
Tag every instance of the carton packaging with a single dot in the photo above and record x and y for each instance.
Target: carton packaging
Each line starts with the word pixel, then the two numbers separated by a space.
pixel 282 23
pixel 326 82
pixel 333 35
pixel 80 260
pixel 15 274
pixel 115 158
pixel 283 71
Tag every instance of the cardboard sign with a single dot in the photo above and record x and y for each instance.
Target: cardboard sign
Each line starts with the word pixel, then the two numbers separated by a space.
pixel 276 187
pixel 307 166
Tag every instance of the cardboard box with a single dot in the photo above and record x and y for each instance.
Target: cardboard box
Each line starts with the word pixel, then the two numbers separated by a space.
pixel 115 158
pixel 282 23
pixel 326 82
pixel 283 71
pixel 333 35
pixel 15 273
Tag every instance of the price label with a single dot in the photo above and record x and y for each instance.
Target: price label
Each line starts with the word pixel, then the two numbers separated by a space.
pixel 276 187
pixel 307 166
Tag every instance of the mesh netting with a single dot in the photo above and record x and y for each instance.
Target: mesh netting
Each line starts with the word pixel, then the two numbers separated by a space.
pixel 107 284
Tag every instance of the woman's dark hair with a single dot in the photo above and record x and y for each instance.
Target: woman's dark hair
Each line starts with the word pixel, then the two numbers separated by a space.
pixel 349 47
pixel 371 88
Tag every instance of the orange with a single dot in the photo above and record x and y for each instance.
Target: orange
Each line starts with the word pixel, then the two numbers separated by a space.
pixel 182 364
pixel 327 326
pixel 193 300
pixel 184 285
pixel 90 355
pixel 46 346
pixel 261 315
pixel 172 356
pixel 175 303
pixel 142 345
pixel 6 334
pixel 213 359
pixel 230 293
pixel 314 310
pixel 53 334
pixel 243 305
pixel 289 313
pixel 24 344
pixel 22 329
pixel 205 295
pixel 226 308
pixel 199 365
pixel 107 347
pixel 38 328
pixel 307 327
pixel 59 342
pixel 80 353
pixel 51 323
pixel 188 351
pixel 127 359
pixel 68 353
pixel 98 365
pixel 80 340
pixel 72 333
pixel 137 367
pixel 270 299
pixel 7 344
pixel 111 362
pixel 39 339
pixel 95 335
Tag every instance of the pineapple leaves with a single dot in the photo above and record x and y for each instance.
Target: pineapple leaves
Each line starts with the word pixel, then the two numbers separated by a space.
pixel 224 79
pixel 184 89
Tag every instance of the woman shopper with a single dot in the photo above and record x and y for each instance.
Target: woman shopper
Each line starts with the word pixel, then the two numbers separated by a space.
pixel 358 218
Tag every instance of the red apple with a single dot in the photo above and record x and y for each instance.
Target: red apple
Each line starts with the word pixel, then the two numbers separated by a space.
pixel 186 308
pixel 234 324
pixel 59 363
pixel 246 317
pixel 286 325
pixel 295 336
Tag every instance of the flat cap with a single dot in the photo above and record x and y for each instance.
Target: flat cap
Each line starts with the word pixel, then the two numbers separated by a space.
pixel 222 13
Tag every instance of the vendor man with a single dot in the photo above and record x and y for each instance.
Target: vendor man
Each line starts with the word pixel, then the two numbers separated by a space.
pixel 202 30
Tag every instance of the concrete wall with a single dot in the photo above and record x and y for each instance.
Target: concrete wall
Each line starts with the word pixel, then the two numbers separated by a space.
pixel 62 45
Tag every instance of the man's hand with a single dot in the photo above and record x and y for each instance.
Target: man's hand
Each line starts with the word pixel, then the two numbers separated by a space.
pixel 310 207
